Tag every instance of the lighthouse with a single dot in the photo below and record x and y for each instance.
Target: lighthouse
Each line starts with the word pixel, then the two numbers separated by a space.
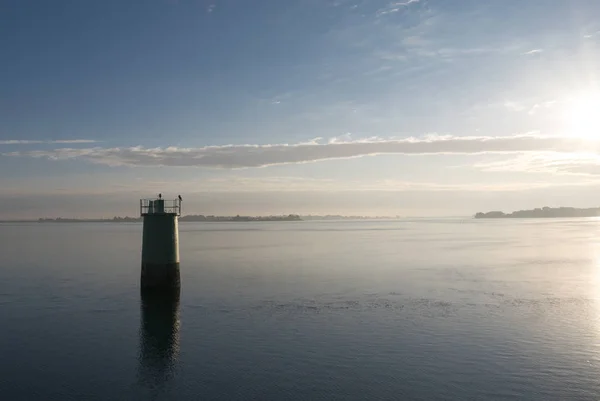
pixel 160 244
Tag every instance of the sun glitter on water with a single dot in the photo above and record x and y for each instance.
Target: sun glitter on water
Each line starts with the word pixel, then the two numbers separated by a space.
pixel 582 116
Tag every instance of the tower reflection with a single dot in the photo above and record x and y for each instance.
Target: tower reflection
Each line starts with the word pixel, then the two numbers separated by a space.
pixel 159 338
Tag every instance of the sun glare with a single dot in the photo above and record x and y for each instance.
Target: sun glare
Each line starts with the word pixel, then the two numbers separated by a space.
pixel 582 116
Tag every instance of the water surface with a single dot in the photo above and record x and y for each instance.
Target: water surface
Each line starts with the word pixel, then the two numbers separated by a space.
pixel 448 309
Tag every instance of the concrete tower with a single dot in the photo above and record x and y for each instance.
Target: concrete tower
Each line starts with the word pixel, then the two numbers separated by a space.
pixel 160 244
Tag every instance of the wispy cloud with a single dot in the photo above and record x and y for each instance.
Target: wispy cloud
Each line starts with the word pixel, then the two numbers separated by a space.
pixel 247 156
pixel 542 105
pixel 396 6
pixel 514 106
pixel 427 30
pixel 581 164
pixel 532 52
pixel 211 8
pixel 36 142
pixel 530 107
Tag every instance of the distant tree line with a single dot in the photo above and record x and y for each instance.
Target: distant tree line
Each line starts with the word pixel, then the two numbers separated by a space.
pixel 200 217
pixel 544 212
pixel 213 218
pixel 188 218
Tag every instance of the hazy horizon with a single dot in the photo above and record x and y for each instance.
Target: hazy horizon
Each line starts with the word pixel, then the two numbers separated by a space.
pixel 352 107
pixel 79 206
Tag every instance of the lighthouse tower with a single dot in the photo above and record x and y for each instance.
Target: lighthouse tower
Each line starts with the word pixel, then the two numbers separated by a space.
pixel 160 244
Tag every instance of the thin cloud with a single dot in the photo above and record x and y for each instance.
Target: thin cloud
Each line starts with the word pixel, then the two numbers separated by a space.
pixel 530 108
pixel 37 142
pixel 542 105
pixel 532 52
pixel 584 164
pixel 395 7
pixel 249 156
pixel 415 41
pixel 514 106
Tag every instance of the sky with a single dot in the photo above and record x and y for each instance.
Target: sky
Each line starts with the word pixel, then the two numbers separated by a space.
pixel 370 107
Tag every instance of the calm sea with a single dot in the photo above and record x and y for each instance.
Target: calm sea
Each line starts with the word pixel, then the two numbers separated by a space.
pixel 389 310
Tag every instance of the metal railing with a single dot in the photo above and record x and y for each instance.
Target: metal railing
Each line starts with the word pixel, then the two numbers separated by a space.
pixel 160 206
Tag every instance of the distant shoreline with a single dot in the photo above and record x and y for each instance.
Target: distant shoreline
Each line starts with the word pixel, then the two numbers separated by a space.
pixel 544 212
pixel 207 219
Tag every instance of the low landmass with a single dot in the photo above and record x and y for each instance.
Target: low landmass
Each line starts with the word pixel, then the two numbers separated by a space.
pixel 339 217
pixel 203 218
pixel 199 217
pixel 544 212
pixel 188 218
pixel 68 220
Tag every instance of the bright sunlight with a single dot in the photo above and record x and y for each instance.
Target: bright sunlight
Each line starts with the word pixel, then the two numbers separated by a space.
pixel 582 116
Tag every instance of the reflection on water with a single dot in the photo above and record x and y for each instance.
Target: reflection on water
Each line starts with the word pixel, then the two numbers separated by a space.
pixel 159 338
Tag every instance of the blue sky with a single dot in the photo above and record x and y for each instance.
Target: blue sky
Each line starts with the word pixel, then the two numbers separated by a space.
pixel 425 107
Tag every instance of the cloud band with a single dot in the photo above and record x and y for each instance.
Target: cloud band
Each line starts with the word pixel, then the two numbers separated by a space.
pixel 247 156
